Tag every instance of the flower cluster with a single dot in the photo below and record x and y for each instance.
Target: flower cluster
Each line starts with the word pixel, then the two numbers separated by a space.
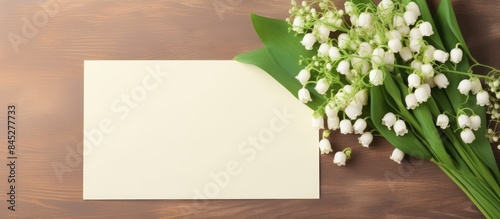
pixel 369 40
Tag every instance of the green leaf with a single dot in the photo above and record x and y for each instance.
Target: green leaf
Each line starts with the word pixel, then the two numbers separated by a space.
pixel 281 56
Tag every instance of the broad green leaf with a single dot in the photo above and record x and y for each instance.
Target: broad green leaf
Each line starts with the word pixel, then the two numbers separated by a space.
pixel 408 143
pixel 284 50
pixel 261 59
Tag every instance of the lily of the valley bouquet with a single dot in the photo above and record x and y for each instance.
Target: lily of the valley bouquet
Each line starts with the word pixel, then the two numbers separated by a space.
pixel 391 69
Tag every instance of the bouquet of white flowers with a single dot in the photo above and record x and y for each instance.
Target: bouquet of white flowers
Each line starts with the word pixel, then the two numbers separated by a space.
pixel 391 70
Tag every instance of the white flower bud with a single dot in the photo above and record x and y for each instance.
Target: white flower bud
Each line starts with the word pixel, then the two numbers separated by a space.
pixel 415 34
pixel 365 20
pixel 416 64
pixel 359 126
pixel 298 24
pixel 398 21
pixel 353 110
pixel 304 95
pixel 318 122
pixel 395 45
pixel 349 7
pixel 442 121
pixel 388 120
pixel 389 59
pixel 483 98
pixel 456 55
pixel 429 53
pixel 405 53
pixel 303 76
pixel 354 20
pixel 475 85
pixel 343 67
pixel 365 49
pixel 412 6
pixel 334 53
pixel 362 97
pixel 400 128
pixel 378 56
pixel 331 111
pixel 323 50
pixel 475 122
pixel 347 89
pixel 414 80
pixel 397 155
pixel 464 86
pixel 430 82
pixel 467 136
pixel 342 40
pixel 308 41
pixel 345 126
pixel 323 33
pixel 440 56
pixel 463 121
pixel 422 93
pixel 333 123
pixel 410 18
pixel 365 139
pixel 322 86
pixel 426 29
pixel 415 45
pixel 324 146
pixel 404 30
pixel 441 80
pixel 411 101
pixel 394 34
pixel 427 70
pixel 376 77
pixel 340 158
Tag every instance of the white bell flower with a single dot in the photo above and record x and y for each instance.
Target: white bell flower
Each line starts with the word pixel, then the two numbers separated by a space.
pixel 404 30
pixel 415 45
pixel 323 50
pixel 340 158
pixel 331 111
pixel 398 21
pixel 324 146
pixel 411 101
pixel 416 64
pixel 353 110
pixel 389 59
pixel 323 33
pixel 427 70
pixel 298 24
pixel 412 6
pixel 456 55
pixel 440 56
pixel 365 20
pixel 376 77
pixel 415 34
pixel 475 85
pixel 362 96
pixel 346 126
pixel 365 139
pixel 463 121
pixel 394 34
pixel 342 40
pixel 397 155
pixel 343 67
pixel 334 53
pixel 429 53
pixel 475 122
pixel 322 86
pixel 318 122
pixel 443 121
pixel 426 28
pixel 395 45
pixel 405 53
pixel 483 98
pixel 308 41
pixel 378 56
pixel 400 128
pixel 333 123
pixel 422 93
pixel 441 80
pixel 303 76
pixel 359 126
pixel 464 86
pixel 389 119
pixel 304 95
pixel 365 49
pixel 414 80
pixel 467 136
pixel 410 18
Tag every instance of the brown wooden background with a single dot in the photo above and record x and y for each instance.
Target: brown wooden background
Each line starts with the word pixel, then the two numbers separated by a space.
pixel 45 79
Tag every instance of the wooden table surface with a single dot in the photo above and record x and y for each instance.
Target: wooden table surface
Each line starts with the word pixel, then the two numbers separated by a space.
pixel 42 73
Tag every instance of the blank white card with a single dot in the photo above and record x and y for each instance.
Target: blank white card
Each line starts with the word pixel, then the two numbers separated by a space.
pixel 194 130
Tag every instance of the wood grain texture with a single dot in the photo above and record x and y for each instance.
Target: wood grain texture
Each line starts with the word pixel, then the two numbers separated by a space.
pixel 45 79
